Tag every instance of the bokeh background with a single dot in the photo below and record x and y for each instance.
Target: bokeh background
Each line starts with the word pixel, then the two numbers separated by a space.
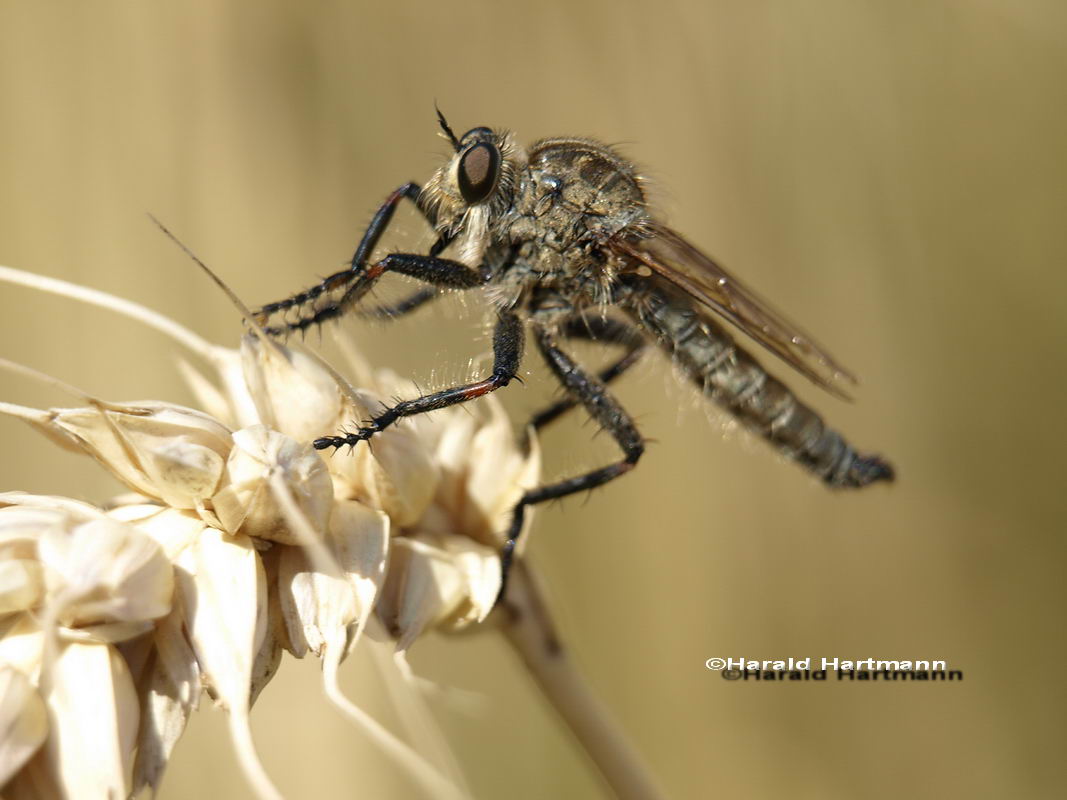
pixel 893 174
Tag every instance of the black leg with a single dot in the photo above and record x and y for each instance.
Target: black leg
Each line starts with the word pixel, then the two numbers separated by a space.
pixel 600 330
pixel 382 217
pixel 355 271
pixel 602 407
pixel 440 272
pixel 401 307
pixel 507 355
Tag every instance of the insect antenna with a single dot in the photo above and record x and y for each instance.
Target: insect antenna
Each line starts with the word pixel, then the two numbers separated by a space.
pixel 445 127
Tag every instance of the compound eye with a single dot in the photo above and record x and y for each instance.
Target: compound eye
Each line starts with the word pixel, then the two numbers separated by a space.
pixel 479 168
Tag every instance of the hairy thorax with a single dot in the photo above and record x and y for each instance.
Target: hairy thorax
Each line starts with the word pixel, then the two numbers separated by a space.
pixel 573 195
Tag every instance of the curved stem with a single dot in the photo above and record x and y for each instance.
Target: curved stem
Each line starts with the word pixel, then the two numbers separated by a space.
pixel 128 308
pixel 241 734
pixel 433 782
pixel 529 629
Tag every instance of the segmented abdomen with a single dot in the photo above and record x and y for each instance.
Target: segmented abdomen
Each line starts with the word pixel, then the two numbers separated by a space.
pixel 736 381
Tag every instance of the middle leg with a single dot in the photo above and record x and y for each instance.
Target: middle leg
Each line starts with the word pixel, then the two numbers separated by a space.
pixel 507 355
pixel 608 413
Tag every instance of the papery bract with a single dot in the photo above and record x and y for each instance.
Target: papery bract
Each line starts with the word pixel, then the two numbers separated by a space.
pixel 245 503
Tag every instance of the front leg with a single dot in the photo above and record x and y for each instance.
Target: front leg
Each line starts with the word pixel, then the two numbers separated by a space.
pixel 382 217
pixel 356 276
pixel 439 272
pixel 507 355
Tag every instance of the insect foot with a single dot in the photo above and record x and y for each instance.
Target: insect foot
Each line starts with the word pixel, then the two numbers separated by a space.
pixel 352 439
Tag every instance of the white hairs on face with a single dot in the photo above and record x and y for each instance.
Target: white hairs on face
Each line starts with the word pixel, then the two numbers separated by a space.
pixel 475 237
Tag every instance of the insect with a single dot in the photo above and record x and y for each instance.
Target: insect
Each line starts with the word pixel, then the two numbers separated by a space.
pixel 560 238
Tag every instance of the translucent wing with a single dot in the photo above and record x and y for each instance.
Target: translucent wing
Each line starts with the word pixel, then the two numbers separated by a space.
pixel 671 257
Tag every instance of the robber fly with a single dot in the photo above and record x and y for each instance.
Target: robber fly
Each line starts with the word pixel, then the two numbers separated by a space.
pixel 560 238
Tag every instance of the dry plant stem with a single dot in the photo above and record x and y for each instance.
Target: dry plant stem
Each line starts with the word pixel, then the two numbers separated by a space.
pixel 529 628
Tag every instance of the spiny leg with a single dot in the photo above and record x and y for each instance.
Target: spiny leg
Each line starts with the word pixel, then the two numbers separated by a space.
pixel 601 330
pixel 378 224
pixel 405 305
pixel 382 217
pixel 602 407
pixel 416 299
pixel 439 272
pixel 507 355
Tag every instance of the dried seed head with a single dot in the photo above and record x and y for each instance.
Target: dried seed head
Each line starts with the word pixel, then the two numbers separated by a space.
pixel 222 593
pixel 170 688
pixel 83 570
pixel 245 502
pixel 292 391
pixel 484 473
pixel 104 581
pixel 21 577
pixel 104 571
pixel 161 450
pixel 394 472
pixel 173 529
pixel 445 581
pixel 22 643
pixel 322 609
pixel 21 583
pixel 95 713
pixel 168 589
pixel 445 570
pixel 23 721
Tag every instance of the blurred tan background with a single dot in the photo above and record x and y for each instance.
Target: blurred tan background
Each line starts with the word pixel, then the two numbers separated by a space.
pixel 892 174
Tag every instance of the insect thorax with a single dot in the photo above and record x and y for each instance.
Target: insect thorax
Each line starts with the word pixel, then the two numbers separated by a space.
pixel 573 195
